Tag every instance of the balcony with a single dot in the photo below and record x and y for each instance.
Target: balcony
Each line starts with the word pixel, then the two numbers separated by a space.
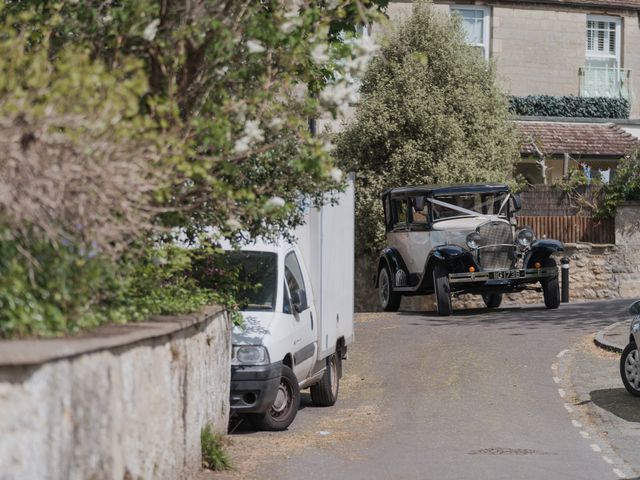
pixel 605 82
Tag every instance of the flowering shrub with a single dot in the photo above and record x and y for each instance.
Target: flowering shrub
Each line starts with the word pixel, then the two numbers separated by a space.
pixel 123 121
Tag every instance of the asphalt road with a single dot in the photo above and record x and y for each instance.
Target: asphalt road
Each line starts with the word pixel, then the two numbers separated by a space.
pixel 482 394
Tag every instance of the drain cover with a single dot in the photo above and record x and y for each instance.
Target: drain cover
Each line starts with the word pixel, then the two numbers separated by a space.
pixel 507 451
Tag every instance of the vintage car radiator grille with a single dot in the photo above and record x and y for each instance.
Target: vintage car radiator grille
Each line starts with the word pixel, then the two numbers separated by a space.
pixel 496 246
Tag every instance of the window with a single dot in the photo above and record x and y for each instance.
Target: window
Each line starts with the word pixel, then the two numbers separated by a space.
pixel 400 210
pixel 476 24
pixel 258 276
pixel 419 210
pixel 293 275
pixel 602 75
pixel 603 41
pixel 387 213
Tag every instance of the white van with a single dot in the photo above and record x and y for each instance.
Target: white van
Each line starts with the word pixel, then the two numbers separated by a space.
pixel 298 324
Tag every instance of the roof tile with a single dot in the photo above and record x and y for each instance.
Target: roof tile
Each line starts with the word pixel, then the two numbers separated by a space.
pixel 593 139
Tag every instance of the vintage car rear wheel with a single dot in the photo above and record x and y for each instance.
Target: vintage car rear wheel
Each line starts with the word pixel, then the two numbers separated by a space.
pixel 442 290
pixel 550 286
pixel 389 300
pixel 492 300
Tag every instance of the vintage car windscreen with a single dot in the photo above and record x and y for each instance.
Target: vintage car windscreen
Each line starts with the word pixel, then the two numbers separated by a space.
pixel 258 274
pixel 478 203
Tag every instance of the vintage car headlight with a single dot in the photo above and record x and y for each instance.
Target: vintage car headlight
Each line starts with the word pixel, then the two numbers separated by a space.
pixel 473 240
pixel 249 355
pixel 525 237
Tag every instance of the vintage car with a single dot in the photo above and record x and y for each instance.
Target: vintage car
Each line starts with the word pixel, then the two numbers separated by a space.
pixel 454 239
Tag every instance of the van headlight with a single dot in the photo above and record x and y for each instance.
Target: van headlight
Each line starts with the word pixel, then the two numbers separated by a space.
pixel 473 240
pixel 249 355
pixel 525 237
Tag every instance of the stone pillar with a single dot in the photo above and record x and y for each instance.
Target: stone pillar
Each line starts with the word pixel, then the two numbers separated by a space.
pixel 628 246
pixel 628 224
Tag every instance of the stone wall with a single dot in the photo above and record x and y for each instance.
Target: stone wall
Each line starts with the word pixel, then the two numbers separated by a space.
pixel 124 402
pixel 597 272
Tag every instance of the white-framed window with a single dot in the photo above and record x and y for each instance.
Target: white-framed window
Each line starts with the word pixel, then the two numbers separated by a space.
pixel 602 75
pixel 476 21
pixel 603 41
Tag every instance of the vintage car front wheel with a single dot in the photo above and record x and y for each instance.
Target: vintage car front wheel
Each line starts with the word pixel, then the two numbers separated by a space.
pixel 492 300
pixel 442 290
pixel 550 286
pixel 389 300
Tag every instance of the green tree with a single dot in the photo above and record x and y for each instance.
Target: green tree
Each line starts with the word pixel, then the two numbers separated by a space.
pixel 624 187
pixel 246 77
pixel 430 112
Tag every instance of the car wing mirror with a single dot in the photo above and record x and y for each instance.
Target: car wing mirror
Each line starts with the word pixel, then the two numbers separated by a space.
pixel 517 201
pixel 634 308
pixel 299 300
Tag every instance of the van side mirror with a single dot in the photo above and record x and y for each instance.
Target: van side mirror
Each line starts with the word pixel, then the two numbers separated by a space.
pixel 634 308
pixel 299 300
pixel 517 202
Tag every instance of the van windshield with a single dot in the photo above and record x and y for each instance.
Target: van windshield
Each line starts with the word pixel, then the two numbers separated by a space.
pixel 470 204
pixel 258 275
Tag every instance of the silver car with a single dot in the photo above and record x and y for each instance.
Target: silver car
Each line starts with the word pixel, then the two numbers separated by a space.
pixel 630 360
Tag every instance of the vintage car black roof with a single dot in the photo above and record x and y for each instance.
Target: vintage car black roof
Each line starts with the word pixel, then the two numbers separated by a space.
pixel 456 189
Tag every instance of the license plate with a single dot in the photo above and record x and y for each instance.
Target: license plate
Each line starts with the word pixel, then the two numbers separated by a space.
pixel 506 275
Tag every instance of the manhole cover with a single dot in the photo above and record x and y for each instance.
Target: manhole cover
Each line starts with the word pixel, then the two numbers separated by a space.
pixel 507 451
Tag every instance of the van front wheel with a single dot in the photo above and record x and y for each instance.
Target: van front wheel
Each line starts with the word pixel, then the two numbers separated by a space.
pixel 285 406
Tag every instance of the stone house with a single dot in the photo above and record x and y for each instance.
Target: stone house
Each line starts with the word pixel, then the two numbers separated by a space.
pixel 554 47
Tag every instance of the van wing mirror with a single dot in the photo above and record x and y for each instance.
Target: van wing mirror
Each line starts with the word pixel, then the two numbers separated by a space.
pixel 517 202
pixel 299 300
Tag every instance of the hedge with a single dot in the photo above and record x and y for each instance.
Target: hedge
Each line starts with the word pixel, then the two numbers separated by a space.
pixel 570 106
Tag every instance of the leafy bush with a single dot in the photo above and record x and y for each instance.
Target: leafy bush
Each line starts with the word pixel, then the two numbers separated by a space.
pixel 430 112
pixel 60 289
pixel 570 106
pixel 624 187
pixel 213 454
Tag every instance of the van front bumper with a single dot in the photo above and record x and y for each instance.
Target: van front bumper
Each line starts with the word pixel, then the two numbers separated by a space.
pixel 254 387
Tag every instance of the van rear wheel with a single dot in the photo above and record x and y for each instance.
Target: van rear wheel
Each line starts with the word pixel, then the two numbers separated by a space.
pixel 285 406
pixel 325 392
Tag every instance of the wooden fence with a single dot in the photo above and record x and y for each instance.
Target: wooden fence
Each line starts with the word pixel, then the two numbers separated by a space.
pixel 547 200
pixel 570 229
